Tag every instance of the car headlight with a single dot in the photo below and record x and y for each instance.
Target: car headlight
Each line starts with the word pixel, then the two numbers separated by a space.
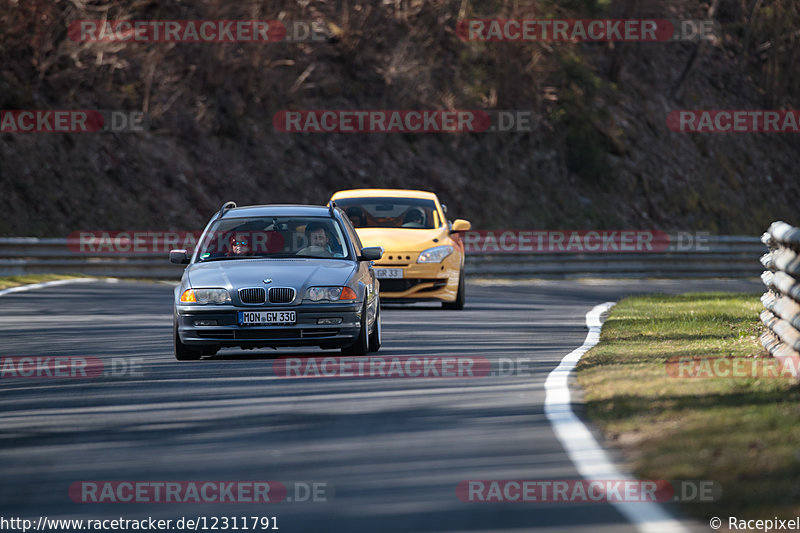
pixel 435 254
pixel 206 296
pixel 332 294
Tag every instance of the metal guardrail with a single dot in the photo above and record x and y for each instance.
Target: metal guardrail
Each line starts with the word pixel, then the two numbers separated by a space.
pixel 720 256
pixel 781 302
pixel 29 255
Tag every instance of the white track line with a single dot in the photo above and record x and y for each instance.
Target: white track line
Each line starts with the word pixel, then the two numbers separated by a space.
pixel 32 286
pixel 586 454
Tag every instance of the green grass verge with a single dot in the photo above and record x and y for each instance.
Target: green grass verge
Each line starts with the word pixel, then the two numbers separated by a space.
pixel 743 433
pixel 27 279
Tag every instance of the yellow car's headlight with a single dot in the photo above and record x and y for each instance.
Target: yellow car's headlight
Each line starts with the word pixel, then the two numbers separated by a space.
pixel 435 254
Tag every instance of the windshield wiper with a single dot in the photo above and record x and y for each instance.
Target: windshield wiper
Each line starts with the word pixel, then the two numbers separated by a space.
pixel 317 257
pixel 225 258
pixel 272 256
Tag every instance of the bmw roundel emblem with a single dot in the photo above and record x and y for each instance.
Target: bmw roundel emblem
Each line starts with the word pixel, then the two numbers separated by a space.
pixel 268 280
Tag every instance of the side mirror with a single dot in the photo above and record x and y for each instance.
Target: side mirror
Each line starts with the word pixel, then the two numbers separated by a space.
pixel 179 257
pixel 460 225
pixel 371 253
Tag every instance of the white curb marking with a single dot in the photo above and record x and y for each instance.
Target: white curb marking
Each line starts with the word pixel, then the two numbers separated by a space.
pixel 586 454
pixel 23 288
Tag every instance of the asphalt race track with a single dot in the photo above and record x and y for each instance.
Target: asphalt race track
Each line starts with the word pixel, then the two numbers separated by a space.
pixel 390 452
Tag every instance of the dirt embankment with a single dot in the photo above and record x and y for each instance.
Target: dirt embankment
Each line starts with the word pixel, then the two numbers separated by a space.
pixel 600 154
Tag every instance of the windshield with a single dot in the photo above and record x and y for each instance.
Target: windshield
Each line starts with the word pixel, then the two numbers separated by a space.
pixel 273 237
pixel 413 213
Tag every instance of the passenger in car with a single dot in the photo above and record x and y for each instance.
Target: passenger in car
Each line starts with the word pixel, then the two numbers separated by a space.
pixel 356 216
pixel 414 218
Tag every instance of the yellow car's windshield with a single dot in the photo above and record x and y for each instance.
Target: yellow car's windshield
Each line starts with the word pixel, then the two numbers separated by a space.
pixel 409 213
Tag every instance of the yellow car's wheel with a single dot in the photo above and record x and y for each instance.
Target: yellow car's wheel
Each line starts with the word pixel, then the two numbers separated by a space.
pixel 461 297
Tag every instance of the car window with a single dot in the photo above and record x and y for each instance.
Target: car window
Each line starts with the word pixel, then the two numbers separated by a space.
pixel 377 212
pixel 273 237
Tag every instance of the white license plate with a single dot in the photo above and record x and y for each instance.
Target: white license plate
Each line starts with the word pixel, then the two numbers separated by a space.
pixel 265 318
pixel 388 273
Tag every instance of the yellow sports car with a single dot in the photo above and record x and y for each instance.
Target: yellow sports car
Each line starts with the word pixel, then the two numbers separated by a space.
pixel 423 256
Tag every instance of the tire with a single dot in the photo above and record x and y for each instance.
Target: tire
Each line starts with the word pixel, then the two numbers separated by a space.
pixel 183 352
pixel 361 345
pixel 461 296
pixel 375 336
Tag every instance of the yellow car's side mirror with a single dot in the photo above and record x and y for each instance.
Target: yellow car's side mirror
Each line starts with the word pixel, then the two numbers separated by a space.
pixel 460 225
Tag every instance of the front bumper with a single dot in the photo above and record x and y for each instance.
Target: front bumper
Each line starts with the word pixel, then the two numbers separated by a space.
pixel 421 281
pixel 305 332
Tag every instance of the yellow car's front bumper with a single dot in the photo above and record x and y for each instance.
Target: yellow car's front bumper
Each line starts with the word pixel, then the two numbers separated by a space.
pixel 420 281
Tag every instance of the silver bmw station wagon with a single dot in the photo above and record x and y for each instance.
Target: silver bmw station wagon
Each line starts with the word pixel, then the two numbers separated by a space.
pixel 277 275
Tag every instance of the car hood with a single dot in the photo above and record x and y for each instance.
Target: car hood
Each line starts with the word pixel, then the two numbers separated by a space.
pixel 403 239
pixel 297 273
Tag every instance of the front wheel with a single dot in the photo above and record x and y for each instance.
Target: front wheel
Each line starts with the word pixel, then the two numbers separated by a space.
pixel 183 352
pixel 375 336
pixel 461 296
pixel 361 344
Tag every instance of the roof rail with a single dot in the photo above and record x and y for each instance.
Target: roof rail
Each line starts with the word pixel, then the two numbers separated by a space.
pixel 225 207
pixel 331 207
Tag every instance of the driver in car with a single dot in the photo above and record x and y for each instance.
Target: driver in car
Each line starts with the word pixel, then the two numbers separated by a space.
pixel 239 244
pixel 318 241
